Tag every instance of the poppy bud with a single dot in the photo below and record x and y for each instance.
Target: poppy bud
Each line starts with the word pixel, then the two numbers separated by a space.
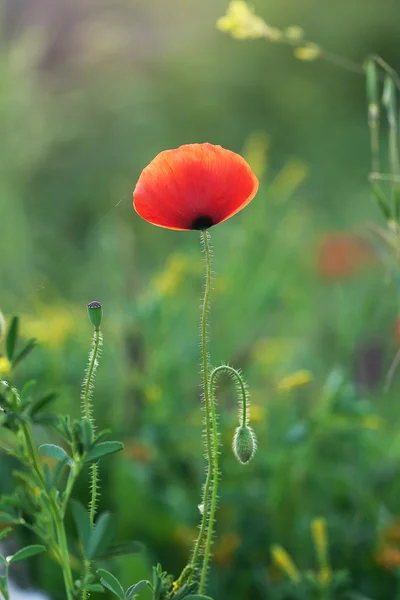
pixel 95 312
pixel 2 325
pixel 244 444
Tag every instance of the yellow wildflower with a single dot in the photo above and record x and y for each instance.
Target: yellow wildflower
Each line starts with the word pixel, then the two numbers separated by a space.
pixel 270 351
pixel 5 366
pixel 53 328
pixel 309 52
pixel 295 380
pixel 284 561
pixel 152 393
pixel 241 22
pixel 289 178
pixel 255 152
pixel 372 422
pixel 320 538
pixel 257 413
pixel 175 586
pixel 294 32
pixel 169 280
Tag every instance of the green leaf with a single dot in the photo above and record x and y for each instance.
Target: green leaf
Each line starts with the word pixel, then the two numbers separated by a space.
pixel 26 350
pixel 26 552
pixel 95 587
pixel 101 536
pixel 82 523
pixel 103 449
pixel 26 391
pixel 54 452
pixel 42 402
pixel 87 434
pixel 135 589
pixel 111 582
pixel 123 549
pixel 57 471
pixel 45 419
pixel 12 337
pixel 48 477
pixel 3 560
pixel 4 533
pixel 382 202
pixel 8 518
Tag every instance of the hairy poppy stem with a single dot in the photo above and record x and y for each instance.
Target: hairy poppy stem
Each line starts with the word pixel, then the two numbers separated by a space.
pixel 88 416
pixel 205 240
pixel 214 491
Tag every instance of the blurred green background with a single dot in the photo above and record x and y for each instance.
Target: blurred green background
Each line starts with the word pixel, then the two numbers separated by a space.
pixel 90 92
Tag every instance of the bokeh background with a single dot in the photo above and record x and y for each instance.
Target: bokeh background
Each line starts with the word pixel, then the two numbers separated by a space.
pixel 90 92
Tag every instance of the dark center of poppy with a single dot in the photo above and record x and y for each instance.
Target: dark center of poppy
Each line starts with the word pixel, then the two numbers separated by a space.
pixel 202 222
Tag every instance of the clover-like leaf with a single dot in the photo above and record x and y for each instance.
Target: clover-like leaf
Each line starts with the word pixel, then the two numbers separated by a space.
pixel 135 589
pixel 26 552
pixel 111 583
pixel 103 449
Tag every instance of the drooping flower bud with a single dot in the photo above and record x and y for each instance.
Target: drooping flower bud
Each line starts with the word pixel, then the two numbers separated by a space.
pixel 95 312
pixel 244 444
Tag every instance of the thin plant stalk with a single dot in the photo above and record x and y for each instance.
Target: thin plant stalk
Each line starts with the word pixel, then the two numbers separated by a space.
pixel 205 239
pixel 87 413
pixel 214 493
pixel 56 516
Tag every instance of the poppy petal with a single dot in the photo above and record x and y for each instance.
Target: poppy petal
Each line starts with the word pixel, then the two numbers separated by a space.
pixel 194 187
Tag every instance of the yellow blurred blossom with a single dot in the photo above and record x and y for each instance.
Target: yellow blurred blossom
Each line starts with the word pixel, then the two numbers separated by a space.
pixel 270 351
pixel 320 538
pixel 309 52
pixel 257 413
pixel 372 422
pixel 241 22
pixel 289 178
pixel 226 547
pixel 52 328
pixel 294 32
pixel 152 393
pixel 295 380
pixel 175 586
pixel 255 152
pixel 325 576
pixel 283 560
pixel 168 281
pixel 5 366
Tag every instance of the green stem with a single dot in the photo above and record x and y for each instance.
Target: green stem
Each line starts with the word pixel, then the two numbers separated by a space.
pixel 93 500
pixel 205 237
pixel 214 494
pixel 55 513
pixel 214 421
pixel 87 410
pixel 4 589
pixel 240 383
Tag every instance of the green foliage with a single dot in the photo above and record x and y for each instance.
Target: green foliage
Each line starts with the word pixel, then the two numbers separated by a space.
pixel 77 131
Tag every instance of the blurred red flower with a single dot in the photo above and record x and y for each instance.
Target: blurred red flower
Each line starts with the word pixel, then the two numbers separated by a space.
pixel 195 186
pixel 341 255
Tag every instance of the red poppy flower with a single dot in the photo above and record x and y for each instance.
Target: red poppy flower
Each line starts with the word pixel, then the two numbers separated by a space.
pixel 195 186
